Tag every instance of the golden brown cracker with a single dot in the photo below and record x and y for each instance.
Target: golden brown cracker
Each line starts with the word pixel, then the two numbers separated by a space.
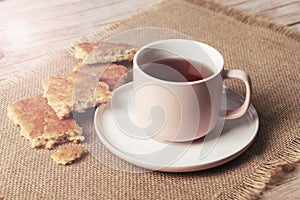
pixel 83 49
pixel 113 75
pixel 40 125
pixel 67 154
pixel 77 91
pixel 104 52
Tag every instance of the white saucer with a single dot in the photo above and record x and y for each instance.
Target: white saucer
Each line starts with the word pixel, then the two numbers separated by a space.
pixel 113 128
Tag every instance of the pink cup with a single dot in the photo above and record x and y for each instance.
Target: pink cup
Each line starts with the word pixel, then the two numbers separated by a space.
pixel 187 110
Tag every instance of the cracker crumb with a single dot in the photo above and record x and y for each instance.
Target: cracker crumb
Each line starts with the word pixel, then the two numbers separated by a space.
pixel 67 154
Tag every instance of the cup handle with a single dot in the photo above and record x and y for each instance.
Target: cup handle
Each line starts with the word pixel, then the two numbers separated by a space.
pixel 241 75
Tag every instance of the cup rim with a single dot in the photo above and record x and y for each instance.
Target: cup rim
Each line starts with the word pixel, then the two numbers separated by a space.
pixel 217 73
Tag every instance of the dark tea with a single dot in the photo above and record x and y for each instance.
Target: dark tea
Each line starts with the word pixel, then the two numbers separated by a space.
pixel 177 70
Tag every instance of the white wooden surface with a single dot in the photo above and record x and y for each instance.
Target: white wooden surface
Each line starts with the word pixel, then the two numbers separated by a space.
pixel 31 28
pixel 286 12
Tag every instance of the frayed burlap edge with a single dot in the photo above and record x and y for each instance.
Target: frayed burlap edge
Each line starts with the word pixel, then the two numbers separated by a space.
pixel 266 173
pixel 270 172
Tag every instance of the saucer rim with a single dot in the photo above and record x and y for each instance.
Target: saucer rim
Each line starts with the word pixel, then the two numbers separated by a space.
pixel 183 168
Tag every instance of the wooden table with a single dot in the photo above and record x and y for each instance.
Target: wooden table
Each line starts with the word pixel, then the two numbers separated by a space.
pixel 32 28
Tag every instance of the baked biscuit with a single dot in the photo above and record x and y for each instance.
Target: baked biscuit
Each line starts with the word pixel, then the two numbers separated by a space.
pixel 67 154
pixel 77 91
pixel 113 75
pixel 104 52
pixel 82 50
pixel 40 125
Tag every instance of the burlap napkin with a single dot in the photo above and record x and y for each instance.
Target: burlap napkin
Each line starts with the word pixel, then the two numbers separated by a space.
pixel 269 52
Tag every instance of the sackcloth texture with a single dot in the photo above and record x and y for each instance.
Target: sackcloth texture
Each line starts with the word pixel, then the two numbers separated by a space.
pixel 267 51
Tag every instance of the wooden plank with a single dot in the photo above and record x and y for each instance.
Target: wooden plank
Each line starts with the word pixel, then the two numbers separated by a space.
pixel 257 6
pixel 54 11
pixel 31 28
pixel 286 185
pixel 283 12
pixel 232 2
pixel 22 31
pixel 287 191
pixel 287 14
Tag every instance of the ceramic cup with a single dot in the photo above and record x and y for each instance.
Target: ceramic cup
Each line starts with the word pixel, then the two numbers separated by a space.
pixel 181 110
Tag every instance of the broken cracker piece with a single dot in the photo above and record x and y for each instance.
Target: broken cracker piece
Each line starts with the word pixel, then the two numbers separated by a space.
pixel 113 75
pixel 67 154
pixel 104 52
pixel 77 91
pixel 82 50
pixel 39 124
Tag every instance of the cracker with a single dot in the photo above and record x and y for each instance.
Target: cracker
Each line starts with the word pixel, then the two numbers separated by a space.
pixel 104 52
pixel 67 154
pixel 113 75
pixel 82 50
pixel 77 91
pixel 40 125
